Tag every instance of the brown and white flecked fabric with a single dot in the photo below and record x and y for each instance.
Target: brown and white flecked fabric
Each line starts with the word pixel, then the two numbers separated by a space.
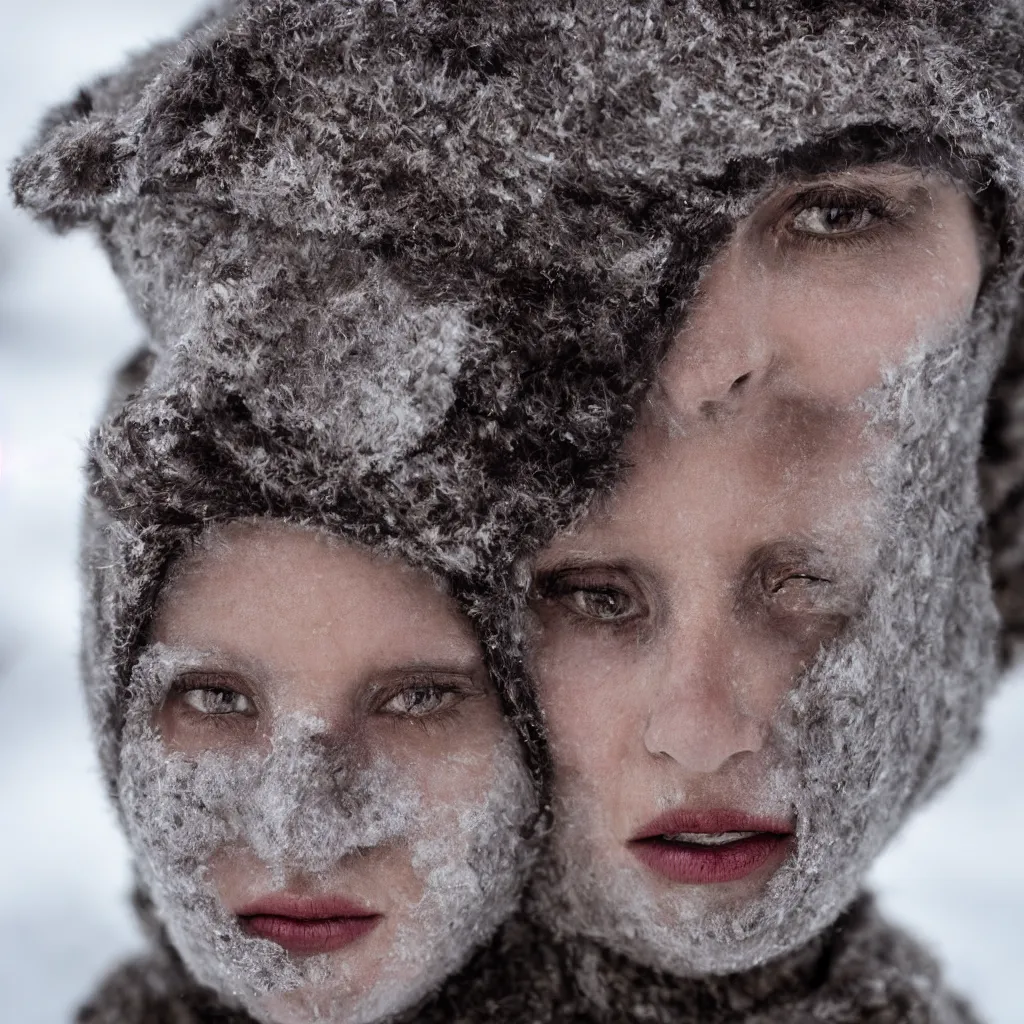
pixel 407 268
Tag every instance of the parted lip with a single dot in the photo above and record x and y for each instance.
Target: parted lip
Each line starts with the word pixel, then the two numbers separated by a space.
pixel 752 844
pixel 711 822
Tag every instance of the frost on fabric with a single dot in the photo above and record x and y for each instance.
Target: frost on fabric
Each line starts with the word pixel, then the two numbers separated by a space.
pixel 364 364
pixel 301 808
pixel 261 197
pixel 883 716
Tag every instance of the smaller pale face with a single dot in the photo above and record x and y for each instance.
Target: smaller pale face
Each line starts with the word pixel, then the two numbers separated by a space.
pixel 277 626
pixel 672 622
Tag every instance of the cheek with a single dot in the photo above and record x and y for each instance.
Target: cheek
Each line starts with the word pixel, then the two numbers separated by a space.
pixel 764 671
pixel 190 735
pixel 844 325
pixel 453 764
pixel 585 681
pixel 449 785
pixel 237 875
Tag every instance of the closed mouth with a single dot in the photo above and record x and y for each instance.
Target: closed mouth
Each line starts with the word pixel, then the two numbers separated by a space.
pixel 308 936
pixel 306 926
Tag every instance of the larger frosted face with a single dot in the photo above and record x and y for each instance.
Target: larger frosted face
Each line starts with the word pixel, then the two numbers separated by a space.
pixel 771 639
pixel 326 800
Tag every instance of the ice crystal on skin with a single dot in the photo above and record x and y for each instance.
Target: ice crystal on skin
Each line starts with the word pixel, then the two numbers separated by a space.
pixel 473 873
pixel 302 807
pixel 288 181
pixel 881 718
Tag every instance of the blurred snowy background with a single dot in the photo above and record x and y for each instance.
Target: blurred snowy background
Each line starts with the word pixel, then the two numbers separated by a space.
pixel 956 876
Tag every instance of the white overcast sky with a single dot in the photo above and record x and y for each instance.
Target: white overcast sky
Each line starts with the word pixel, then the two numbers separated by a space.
pixel 956 876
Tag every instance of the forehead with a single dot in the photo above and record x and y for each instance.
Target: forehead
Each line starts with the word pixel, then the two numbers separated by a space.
pixel 287 597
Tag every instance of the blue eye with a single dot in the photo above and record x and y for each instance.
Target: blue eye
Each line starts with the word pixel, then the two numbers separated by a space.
pixel 215 700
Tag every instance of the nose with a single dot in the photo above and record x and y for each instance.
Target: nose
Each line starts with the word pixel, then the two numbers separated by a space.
pixel 724 351
pixel 703 708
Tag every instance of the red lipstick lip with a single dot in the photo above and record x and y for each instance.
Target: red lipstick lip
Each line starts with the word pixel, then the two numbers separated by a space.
pixel 308 925
pixel 691 864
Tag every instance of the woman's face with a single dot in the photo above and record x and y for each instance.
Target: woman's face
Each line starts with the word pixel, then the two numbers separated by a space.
pixel 672 622
pixel 344 699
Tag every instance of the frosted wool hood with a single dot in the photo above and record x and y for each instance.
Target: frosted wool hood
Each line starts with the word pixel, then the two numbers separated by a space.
pixel 410 266
pixel 881 717
pixel 534 186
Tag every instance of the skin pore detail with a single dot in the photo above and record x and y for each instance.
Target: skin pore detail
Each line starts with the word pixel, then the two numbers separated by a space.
pixel 683 288
pixel 317 769
pixel 825 283
pixel 414 677
pixel 747 547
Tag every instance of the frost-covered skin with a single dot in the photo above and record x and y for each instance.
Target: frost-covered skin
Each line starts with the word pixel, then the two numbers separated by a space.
pixel 801 506
pixel 488 217
pixel 313 722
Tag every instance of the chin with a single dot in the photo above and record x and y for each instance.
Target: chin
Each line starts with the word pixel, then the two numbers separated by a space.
pixel 604 893
pixel 349 996
pixel 301 1007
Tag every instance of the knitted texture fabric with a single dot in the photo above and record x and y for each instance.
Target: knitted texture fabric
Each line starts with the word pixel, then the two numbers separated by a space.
pixel 862 971
pixel 447 243
pixel 407 269
pixel 881 716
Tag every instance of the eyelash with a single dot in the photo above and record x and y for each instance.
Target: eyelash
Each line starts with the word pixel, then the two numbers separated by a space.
pixel 439 717
pixel 556 587
pixel 776 585
pixel 226 719
pixel 887 211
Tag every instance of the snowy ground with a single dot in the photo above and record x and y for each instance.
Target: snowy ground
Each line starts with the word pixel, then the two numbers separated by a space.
pixel 956 876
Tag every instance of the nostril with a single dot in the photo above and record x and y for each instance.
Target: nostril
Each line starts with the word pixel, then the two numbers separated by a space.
pixel 737 384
